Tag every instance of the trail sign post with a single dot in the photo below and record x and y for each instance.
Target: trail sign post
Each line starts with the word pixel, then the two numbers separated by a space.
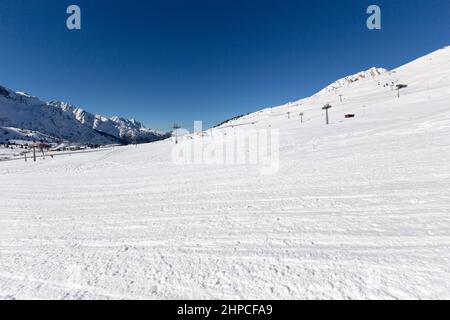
pixel 301 117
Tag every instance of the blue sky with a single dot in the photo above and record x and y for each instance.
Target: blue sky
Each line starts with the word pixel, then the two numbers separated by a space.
pixel 166 61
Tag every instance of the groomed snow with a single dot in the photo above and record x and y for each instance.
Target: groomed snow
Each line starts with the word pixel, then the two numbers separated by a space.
pixel 359 208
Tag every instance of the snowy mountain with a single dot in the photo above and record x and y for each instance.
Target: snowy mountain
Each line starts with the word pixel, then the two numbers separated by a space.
pixel 345 82
pixel 370 91
pixel 68 123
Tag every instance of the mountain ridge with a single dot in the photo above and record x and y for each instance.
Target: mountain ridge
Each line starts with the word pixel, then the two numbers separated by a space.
pixel 68 122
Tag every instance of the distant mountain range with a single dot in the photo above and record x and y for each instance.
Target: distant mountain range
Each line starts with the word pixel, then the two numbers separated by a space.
pixel 65 122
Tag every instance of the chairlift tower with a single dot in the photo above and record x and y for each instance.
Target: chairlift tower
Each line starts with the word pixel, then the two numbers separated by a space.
pixel 326 107
pixel 399 87
pixel 34 152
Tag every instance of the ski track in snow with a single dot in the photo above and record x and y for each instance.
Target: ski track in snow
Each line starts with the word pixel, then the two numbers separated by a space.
pixel 359 210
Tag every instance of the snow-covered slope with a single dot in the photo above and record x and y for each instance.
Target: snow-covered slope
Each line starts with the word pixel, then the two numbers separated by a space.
pixel 370 93
pixel 14 142
pixel 359 208
pixel 68 123
pixel 9 134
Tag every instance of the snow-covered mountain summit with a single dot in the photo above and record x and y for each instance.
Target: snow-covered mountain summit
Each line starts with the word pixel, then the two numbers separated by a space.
pixel 67 122
pixel 346 81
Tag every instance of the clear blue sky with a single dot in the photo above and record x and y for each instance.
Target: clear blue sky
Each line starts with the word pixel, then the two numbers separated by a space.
pixel 184 60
